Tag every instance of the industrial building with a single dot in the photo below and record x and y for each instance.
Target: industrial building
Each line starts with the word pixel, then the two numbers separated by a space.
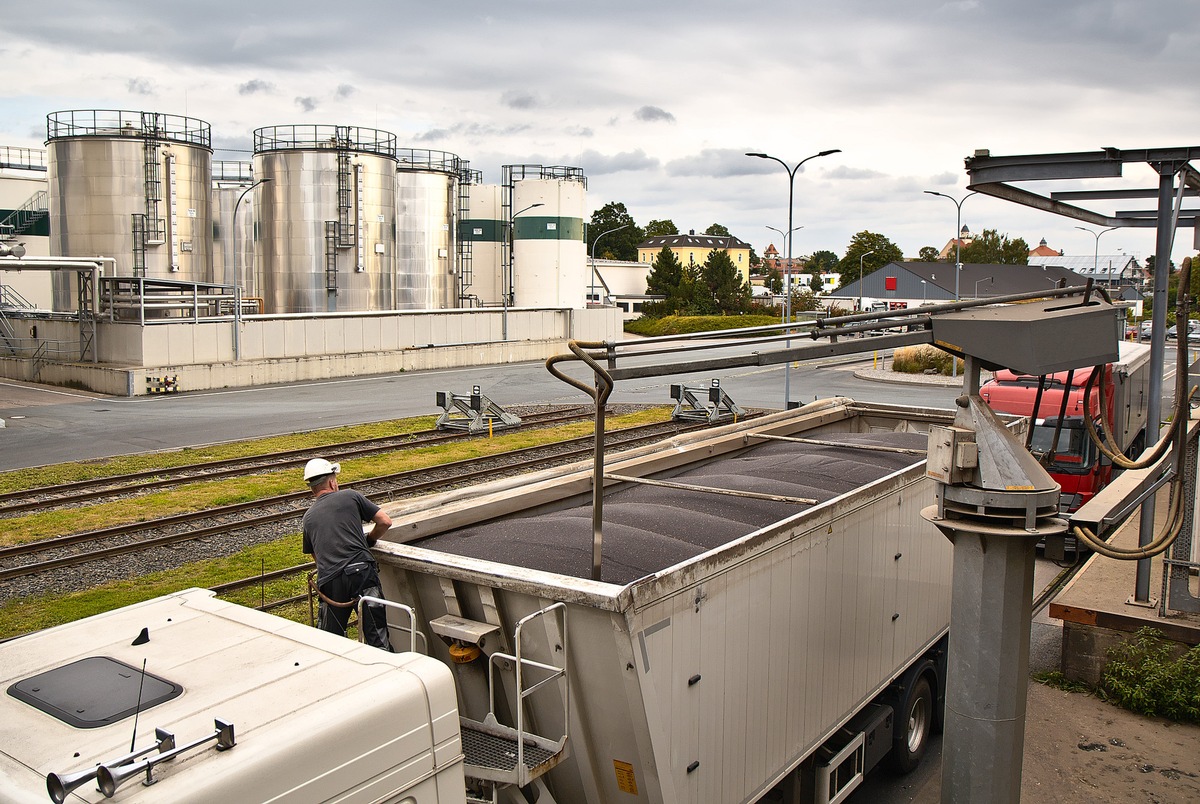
pixel 131 256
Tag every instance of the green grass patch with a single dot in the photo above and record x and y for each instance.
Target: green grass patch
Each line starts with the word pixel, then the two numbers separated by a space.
pixel 687 324
pixel 1055 679
pixel 21 479
pixel 45 611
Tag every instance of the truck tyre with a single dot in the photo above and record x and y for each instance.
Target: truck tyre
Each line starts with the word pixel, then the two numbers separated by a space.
pixel 914 724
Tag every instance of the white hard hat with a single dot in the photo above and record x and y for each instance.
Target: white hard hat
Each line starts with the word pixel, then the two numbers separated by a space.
pixel 319 467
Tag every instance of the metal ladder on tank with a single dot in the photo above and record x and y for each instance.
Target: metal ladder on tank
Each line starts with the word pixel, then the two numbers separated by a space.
pixel 500 755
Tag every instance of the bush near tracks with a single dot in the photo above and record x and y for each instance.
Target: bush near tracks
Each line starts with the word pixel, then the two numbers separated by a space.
pixel 687 324
pixel 1147 676
pixel 923 359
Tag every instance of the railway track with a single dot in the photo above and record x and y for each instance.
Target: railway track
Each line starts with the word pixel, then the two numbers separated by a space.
pixel 92 491
pixel 283 512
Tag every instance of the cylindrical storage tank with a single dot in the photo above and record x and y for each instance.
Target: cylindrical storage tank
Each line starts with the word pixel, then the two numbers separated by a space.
pixel 427 185
pixel 135 186
pixel 549 259
pixel 327 218
pixel 482 230
pixel 234 226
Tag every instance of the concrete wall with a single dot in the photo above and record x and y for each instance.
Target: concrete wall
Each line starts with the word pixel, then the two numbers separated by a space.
pixel 279 349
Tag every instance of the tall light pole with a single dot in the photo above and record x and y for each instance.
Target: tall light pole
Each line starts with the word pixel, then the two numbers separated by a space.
pixel 861 283
pixel 237 269
pixel 787 271
pixel 958 202
pixel 991 279
pixel 594 242
pixel 1096 256
pixel 787 303
pixel 506 283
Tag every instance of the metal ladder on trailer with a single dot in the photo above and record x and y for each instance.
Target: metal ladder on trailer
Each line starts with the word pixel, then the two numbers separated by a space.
pixel 496 755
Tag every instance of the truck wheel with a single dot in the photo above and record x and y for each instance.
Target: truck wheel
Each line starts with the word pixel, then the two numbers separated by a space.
pixel 914 724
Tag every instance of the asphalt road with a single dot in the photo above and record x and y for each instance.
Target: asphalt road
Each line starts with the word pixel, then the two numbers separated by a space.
pixel 49 425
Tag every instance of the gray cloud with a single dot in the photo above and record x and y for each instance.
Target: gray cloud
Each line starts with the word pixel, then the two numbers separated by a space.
pixel 472 131
pixel 307 103
pixel 852 173
pixel 345 90
pixel 579 131
pixel 139 86
pixel 653 114
pixel 516 99
pixel 595 163
pixel 719 163
pixel 255 85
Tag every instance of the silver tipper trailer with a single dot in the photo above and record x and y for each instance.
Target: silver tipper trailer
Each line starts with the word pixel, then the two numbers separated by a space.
pixel 771 612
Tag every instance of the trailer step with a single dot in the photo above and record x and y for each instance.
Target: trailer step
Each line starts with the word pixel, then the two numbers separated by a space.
pixel 491 755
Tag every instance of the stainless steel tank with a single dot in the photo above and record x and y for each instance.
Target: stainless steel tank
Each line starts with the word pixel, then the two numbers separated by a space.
pixel 135 186
pixel 234 226
pixel 427 196
pixel 327 218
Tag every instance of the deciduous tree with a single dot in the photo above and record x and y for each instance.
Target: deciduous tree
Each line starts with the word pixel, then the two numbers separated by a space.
pixel 661 228
pixel 619 245
pixel 928 254
pixel 991 247
pixel 883 251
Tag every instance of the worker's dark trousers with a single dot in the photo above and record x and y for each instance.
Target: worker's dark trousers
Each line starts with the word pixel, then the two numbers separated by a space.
pixel 359 579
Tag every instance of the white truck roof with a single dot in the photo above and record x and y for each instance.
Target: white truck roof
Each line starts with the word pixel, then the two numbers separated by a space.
pixel 315 716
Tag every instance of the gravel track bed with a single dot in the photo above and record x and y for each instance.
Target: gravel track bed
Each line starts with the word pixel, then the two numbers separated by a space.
pixel 286 521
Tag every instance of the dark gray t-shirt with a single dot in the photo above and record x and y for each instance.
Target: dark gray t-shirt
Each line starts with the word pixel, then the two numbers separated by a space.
pixel 333 530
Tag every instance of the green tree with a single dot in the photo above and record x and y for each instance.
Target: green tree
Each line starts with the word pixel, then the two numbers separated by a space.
pixel 821 262
pixel 666 275
pixel 928 254
pixel 804 300
pixel 727 292
pixel 993 248
pixel 616 245
pixel 717 230
pixel 1150 265
pixel 882 251
pixel 661 228
pixel 774 281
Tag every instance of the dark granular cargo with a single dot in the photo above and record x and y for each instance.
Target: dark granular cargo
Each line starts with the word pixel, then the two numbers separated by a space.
pixel 647 528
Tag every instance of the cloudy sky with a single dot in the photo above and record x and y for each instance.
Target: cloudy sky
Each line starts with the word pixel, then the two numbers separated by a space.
pixel 659 101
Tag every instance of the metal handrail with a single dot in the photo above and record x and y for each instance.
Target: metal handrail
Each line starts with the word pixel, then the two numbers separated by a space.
pixel 412 621
pixel 523 692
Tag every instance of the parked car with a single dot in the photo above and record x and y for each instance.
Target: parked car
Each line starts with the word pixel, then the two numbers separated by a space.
pixel 1193 331
pixel 1147 328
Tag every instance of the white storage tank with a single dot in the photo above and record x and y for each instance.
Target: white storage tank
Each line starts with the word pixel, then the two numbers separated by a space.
pixel 482 232
pixel 549 257
pixel 427 194
pixel 135 186
pixel 327 218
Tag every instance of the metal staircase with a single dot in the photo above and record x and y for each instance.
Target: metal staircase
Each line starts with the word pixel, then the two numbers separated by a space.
pixel 35 209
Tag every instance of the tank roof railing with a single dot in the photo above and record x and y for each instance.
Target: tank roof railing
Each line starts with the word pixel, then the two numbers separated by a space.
pixel 232 170
pixel 123 123
pixel 561 172
pixel 323 137
pixel 420 160
pixel 22 158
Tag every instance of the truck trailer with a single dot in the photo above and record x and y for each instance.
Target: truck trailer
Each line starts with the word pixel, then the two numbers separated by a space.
pixel 770 619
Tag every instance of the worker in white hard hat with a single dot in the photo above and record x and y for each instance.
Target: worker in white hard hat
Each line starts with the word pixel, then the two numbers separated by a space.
pixel 335 536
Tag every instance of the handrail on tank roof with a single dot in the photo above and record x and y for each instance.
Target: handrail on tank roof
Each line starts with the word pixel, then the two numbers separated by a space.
pixel 125 123
pixel 419 159
pixel 324 137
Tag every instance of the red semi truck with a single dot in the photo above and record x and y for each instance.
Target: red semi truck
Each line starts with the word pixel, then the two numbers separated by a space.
pixel 1077 465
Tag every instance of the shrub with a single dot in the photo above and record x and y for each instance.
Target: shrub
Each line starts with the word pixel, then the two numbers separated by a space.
pixel 1143 676
pixel 923 358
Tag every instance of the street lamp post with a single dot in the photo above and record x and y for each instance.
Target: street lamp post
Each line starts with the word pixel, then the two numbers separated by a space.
pixel 237 273
pixel 991 279
pixel 924 287
pixel 506 283
pixel 787 271
pixel 958 202
pixel 1096 255
pixel 787 303
pixel 861 283
pixel 594 242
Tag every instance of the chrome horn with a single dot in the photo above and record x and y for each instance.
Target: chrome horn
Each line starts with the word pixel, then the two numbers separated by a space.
pixel 60 785
pixel 110 777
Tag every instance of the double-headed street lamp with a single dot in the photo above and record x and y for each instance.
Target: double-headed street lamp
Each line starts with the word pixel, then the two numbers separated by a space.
pixel 1096 257
pixel 958 202
pixel 787 303
pixel 787 281
pixel 506 291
